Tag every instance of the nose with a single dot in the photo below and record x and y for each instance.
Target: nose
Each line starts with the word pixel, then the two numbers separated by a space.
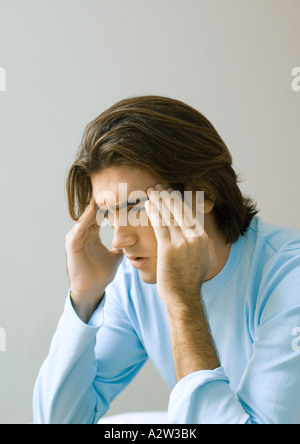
pixel 123 237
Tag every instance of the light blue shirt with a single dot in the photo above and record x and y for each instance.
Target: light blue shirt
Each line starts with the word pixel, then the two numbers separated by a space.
pixel 253 308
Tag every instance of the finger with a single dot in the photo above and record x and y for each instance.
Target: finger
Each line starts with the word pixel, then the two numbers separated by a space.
pixel 161 232
pixel 117 252
pixel 183 213
pixel 85 215
pixel 87 219
pixel 159 199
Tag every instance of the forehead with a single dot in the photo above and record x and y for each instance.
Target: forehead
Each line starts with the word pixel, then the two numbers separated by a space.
pixel 137 179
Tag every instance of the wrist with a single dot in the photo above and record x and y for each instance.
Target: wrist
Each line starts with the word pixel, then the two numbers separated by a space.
pixel 185 309
pixel 86 304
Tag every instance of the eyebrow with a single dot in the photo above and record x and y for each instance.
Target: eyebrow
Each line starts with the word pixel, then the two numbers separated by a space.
pixel 124 204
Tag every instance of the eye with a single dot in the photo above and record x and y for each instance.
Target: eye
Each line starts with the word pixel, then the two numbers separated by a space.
pixel 137 209
pixel 103 213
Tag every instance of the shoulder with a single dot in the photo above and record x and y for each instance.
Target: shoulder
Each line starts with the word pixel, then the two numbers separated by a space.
pixel 275 237
pixel 277 253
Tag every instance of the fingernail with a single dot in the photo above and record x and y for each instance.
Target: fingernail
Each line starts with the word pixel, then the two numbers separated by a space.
pixel 149 190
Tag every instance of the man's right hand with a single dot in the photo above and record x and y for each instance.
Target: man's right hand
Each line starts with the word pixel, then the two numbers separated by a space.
pixel 91 266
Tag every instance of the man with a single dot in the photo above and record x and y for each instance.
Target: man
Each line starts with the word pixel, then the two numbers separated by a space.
pixel 216 310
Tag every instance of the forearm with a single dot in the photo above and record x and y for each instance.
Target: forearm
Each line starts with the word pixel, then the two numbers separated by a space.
pixel 58 397
pixel 192 344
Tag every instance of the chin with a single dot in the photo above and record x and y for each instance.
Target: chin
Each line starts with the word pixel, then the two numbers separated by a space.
pixel 148 278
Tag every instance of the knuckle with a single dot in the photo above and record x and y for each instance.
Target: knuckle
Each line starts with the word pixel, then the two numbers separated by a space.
pixel 182 244
pixel 67 237
pixel 70 236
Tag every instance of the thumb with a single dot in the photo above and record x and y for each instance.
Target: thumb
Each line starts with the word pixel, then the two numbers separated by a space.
pixel 117 252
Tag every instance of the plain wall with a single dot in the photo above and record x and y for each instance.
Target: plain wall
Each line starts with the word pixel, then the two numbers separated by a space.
pixel 66 61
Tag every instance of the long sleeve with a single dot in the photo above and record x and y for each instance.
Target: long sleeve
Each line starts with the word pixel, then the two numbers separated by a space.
pixel 88 365
pixel 205 397
pixel 253 309
pixel 269 390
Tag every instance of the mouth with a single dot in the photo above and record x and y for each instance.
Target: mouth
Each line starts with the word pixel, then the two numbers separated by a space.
pixel 138 262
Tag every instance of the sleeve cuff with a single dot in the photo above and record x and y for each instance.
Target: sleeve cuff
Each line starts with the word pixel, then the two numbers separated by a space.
pixel 97 318
pixel 195 380
pixel 205 397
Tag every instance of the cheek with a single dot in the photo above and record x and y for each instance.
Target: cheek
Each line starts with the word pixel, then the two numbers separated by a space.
pixel 147 237
pixel 150 236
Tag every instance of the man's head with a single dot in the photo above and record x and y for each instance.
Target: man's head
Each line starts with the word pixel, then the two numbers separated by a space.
pixel 148 139
pixel 135 241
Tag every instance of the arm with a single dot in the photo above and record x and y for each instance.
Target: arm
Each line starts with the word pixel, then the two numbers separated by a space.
pixel 192 345
pixel 88 364
pixel 269 391
pixel 184 261
pixel 74 385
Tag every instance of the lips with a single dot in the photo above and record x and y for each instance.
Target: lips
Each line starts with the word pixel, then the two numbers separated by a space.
pixel 138 261
pixel 133 258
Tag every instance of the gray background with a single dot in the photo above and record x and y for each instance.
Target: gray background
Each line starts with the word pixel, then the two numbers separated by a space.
pixel 68 60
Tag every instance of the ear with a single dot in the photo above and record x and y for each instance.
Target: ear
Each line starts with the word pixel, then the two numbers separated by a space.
pixel 209 202
pixel 208 205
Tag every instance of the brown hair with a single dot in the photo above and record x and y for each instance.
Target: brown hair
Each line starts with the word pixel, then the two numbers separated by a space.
pixel 171 139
